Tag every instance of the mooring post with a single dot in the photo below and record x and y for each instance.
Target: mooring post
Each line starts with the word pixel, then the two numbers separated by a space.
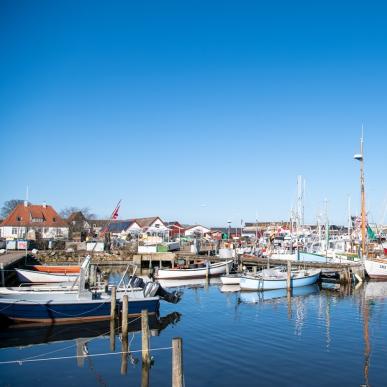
pixel 227 269
pixel 124 355
pixel 177 362
pixel 125 313
pixel 2 274
pixel 207 270
pixel 289 278
pixel 254 269
pixel 112 335
pixel 113 303
pixel 145 337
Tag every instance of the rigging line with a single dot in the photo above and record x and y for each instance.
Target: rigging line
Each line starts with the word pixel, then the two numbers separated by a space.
pixel 74 345
pixel 20 362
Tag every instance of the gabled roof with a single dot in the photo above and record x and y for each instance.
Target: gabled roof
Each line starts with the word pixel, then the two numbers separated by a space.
pixel 23 215
pixel 147 222
pixel 197 225
pixel 121 225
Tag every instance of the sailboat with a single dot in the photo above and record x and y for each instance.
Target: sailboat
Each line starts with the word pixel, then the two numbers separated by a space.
pixel 375 265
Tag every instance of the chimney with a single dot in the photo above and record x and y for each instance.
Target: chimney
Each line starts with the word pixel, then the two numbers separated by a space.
pixel 44 204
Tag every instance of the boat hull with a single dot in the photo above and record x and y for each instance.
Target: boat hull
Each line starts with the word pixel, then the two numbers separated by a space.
pixel 256 283
pixel 376 269
pixel 69 310
pixel 32 276
pixel 230 279
pixel 214 270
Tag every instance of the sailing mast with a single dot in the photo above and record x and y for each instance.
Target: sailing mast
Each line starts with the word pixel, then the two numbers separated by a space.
pixel 360 157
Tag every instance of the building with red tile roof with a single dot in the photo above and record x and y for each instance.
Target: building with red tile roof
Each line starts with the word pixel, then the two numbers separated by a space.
pixel 31 220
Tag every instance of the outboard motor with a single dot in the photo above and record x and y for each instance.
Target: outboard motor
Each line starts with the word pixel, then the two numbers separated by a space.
pixel 173 297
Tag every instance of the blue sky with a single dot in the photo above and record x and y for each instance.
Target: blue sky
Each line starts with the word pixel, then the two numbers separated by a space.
pixel 198 111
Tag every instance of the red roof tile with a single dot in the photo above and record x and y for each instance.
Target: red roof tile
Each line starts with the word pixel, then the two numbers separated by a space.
pixel 33 216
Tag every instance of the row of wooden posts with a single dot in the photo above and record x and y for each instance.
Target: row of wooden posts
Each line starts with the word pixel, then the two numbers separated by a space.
pixel 177 343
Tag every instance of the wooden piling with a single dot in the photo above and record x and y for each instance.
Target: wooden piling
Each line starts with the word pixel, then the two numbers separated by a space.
pixel 145 337
pixel 2 274
pixel 145 375
pixel 113 303
pixel 124 355
pixel 227 269
pixel 125 313
pixel 254 269
pixel 112 335
pixel 177 362
pixel 289 278
pixel 207 270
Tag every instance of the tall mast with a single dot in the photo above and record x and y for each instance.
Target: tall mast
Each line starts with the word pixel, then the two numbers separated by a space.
pixel 360 157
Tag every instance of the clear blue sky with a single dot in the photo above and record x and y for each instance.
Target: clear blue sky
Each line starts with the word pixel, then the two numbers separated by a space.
pixel 200 111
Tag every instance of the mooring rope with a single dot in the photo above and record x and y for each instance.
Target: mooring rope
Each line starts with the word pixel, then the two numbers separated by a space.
pixel 32 360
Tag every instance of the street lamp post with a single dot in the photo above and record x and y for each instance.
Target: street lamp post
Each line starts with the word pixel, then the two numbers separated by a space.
pixel 229 229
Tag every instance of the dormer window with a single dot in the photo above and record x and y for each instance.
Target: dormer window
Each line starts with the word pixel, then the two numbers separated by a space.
pixel 19 218
pixel 54 219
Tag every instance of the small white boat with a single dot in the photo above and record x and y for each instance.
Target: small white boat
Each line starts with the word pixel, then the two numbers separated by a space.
pixel 212 269
pixel 231 279
pixel 33 276
pixel 376 268
pixel 275 279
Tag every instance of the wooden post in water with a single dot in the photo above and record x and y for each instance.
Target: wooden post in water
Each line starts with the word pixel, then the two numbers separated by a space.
pixel 125 313
pixel 112 335
pixel 177 362
pixel 2 274
pixel 254 269
pixel 227 269
pixel 124 355
pixel 113 303
pixel 145 337
pixel 207 271
pixel 289 279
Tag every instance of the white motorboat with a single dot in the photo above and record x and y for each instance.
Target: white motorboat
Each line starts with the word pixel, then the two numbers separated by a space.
pixel 200 271
pixel 231 279
pixel 275 279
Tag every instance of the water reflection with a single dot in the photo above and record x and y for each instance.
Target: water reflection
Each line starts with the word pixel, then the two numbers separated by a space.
pixel 22 335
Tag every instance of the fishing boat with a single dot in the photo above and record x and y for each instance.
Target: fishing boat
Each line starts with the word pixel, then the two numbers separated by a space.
pixel 84 305
pixel 199 271
pixel 275 279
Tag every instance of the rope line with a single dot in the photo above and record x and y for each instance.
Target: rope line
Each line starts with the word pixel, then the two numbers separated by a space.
pixel 74 345
pixel 32 360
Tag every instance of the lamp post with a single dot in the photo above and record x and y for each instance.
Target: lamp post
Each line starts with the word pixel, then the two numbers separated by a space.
pixel 360 157
pixel 229 229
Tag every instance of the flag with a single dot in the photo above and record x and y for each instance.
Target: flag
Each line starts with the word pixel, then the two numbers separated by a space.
pixel 371 235
pixel 115 212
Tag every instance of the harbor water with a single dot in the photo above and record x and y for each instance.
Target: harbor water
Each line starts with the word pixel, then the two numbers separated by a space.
pixel 316 336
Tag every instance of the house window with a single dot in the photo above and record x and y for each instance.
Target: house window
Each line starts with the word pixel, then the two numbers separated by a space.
pixel 19 218
pixel 37 220
pixel 45 230
pixel 14 231
pixel 54 219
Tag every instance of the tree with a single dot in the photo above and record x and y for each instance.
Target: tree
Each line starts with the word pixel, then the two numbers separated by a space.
pixel 67 211
pixel 8 206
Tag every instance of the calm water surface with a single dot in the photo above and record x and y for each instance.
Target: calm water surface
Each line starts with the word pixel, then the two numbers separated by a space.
pixel 317 337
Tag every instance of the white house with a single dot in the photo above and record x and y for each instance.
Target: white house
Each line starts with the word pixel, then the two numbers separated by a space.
pixel 197 230
pixel 31 221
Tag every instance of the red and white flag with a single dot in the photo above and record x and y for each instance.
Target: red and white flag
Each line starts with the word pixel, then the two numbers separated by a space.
pixel 115 212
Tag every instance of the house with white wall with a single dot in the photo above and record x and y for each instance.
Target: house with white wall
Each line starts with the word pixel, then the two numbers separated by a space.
pixel 196 230
pixel 33 221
